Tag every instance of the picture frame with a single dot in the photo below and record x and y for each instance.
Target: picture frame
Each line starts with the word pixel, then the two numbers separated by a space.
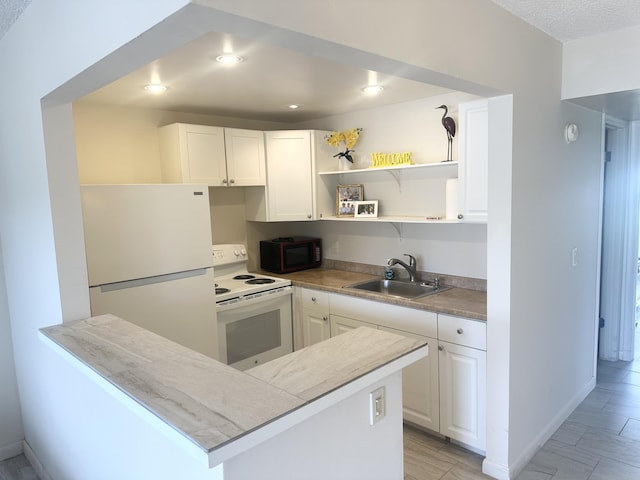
pixel 346 195
pixel 366 209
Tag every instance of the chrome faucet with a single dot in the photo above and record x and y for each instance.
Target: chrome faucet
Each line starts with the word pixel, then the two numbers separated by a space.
pixel 411 268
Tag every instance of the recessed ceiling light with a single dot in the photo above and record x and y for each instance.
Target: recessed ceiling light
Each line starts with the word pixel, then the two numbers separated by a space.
pixel 372 89
pixel 229 58
pixel 155 88
pixel 294 106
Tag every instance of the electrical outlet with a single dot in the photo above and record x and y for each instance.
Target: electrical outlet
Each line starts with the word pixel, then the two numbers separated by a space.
pixel 377 405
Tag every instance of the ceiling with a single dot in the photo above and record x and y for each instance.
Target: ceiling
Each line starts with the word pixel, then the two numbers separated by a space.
pixel 572 19
pixel 10 10
pixel 271 78
pixel 261 87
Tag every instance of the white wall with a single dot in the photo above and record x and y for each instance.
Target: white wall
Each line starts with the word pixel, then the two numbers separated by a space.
pixel 601 64
pixel 11 434
pixel 552 185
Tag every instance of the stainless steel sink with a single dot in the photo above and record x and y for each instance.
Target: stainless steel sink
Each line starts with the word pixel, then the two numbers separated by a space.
pixel 397 288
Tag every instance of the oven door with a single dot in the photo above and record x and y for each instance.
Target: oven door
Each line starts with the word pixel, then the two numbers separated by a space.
pixel 252 332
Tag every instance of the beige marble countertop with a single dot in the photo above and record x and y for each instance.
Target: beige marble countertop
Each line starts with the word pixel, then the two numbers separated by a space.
pixel 461 302
pixel 208 402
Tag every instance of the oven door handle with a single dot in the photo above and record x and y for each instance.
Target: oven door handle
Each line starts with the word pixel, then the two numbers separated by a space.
pixel 254 298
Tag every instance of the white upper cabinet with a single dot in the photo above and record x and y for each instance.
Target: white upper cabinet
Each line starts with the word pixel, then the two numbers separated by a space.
pixel 293 158
pixel 245 157
pixel 473 164
pixel 214 156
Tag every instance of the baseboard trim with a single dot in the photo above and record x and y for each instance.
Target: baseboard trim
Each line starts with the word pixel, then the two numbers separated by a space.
pixel 495 470
pixel 35 463
pixel 513 470
pixel 11 450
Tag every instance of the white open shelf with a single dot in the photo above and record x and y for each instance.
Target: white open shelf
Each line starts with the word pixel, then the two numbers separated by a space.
pixel 437 165
pixel 389 219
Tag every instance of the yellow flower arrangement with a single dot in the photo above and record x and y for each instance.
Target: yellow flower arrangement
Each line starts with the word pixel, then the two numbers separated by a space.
pixel 348 137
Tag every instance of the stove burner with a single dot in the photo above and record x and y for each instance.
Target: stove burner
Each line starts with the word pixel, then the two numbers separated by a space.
pixel 243 277
pixel 220 290
pixel 259 281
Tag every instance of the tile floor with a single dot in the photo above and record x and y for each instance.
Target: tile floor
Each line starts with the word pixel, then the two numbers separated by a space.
pixel 17 468
pixel 599 441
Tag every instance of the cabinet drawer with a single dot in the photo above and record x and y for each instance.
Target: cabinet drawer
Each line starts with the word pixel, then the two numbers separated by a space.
pixel 315 299
pixel 462 331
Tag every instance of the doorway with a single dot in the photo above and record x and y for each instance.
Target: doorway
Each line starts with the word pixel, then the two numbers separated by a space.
pixel 619 282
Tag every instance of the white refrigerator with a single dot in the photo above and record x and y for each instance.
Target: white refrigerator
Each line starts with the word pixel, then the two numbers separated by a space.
pixel 149 259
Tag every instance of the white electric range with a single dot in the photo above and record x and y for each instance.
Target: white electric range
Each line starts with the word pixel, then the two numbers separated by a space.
pixel 253 310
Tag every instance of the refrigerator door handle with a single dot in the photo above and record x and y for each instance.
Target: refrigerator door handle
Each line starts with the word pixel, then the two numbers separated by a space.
pixel 139 282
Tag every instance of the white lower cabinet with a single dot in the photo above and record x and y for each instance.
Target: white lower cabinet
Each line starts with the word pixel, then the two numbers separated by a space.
pixel 462 360
pixel 445 391
pixel 420 399
pixel 462 393
pixel 315 316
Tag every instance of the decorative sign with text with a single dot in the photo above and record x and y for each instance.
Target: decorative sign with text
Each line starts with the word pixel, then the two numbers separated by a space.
pixel 390 159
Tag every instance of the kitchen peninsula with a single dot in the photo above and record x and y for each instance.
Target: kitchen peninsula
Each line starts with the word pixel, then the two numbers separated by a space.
pixel 343 395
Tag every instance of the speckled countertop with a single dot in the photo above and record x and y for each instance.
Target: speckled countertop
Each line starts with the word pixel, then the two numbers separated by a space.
pixel 215 405
pixel 461 302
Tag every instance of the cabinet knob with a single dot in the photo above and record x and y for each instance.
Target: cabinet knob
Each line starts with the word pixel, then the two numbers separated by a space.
pixel 441 348
pixel 313 299
pixel 232 181
pixel 325 318
pixel 309 216
pixel 460 331
pixel 224 181
pixel 460 216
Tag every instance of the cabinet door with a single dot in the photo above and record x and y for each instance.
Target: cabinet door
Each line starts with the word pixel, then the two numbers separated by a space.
pixel 343 324
pixel 315 326
pixel 203 148
pixel 473 167
pixel 245 157
pixel 192 154
pixel 462 393
pixel 420 390
pixel 289 176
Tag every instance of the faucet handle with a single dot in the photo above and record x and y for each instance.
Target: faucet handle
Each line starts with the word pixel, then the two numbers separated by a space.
pixel 412 259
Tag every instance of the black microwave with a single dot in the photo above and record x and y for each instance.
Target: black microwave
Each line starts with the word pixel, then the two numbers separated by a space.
pixel 289 254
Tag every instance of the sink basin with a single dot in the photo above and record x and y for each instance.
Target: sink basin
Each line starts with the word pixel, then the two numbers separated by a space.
pixel 397 288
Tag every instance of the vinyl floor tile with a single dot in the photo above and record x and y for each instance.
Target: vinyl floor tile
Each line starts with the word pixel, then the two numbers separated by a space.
pixel 611 422
pixel 561 467
pixel 569 432
pixel 632 430
pixel 572 452
pixel 17 468
pixel 611 446
pixel 610 470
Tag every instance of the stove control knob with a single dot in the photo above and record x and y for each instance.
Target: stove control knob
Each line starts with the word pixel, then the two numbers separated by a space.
pixel 236 252
pixel 243 252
